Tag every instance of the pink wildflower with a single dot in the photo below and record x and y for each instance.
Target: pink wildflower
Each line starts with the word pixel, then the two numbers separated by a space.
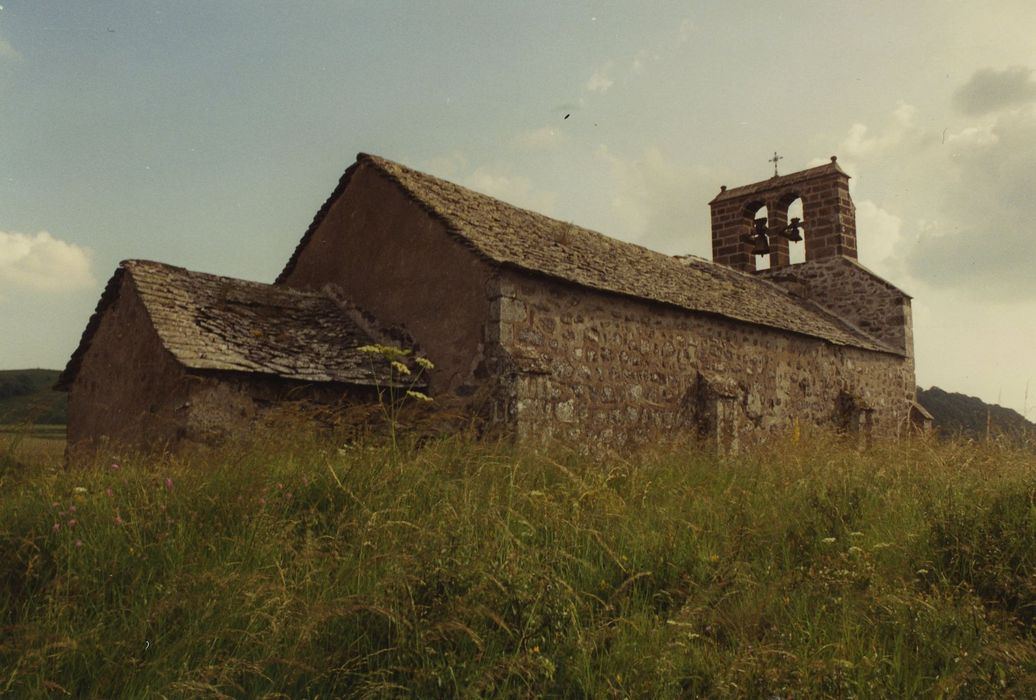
pixel 108 492
pixel 71 509
pixel 72 522
pixel 57 526
pixel 79 543
pixel 115 467
pixel 118 520
pixel 168 484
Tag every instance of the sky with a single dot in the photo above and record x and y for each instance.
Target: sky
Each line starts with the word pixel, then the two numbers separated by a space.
pixel 208 134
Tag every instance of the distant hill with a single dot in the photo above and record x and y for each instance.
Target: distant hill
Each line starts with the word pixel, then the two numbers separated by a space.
pixel 957 414
pixel 26 395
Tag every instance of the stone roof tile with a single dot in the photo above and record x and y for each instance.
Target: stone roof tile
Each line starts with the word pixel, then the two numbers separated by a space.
pixel 523 239
pixel 209 322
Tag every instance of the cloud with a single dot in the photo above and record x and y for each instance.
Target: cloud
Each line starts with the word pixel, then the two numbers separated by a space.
pixel 658 203
pixel 989 90
pixel 513 189
pixel 43 263
pixel 880 234
pixel 982 240
pixel 600 81
pixel 861 143
pixel 542 138
pixel 7 51
pixel 447 166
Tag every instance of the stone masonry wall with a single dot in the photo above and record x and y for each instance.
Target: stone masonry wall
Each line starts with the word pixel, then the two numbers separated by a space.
pixel 590 365
pixel 854 293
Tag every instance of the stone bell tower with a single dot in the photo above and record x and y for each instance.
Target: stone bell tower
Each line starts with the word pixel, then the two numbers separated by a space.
pixel 828 224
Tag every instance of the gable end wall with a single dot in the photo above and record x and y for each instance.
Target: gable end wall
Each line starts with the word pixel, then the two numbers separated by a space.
pixel 400 263
pixel 128 389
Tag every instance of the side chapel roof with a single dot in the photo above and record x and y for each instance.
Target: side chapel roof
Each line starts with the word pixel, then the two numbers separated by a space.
pixel 514 237
pixel 208 322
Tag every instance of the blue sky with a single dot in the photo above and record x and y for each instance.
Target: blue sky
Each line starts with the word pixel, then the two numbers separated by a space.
pixel 207 134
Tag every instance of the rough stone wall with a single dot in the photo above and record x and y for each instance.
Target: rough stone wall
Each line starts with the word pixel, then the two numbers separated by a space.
pixel 589 365
pixel 854 293
pixel 131 394
pixel 129 389
pixel 224 405
pixel 399 263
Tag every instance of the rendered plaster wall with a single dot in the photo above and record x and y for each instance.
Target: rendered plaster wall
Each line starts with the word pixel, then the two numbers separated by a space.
pixel 590 365
pixel 129 390
pixel 401 264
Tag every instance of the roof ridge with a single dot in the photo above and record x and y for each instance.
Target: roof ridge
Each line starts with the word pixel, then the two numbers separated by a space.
pixel 507 235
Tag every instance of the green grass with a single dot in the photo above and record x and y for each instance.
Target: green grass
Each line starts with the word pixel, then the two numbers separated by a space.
pixel 295 568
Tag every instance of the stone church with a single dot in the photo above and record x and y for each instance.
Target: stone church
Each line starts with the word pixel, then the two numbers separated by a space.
pixel 542 328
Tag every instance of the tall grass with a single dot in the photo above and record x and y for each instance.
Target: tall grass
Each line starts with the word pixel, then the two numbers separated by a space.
pixel 299 568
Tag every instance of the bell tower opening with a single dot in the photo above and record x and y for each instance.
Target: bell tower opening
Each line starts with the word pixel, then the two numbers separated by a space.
pixel 788 219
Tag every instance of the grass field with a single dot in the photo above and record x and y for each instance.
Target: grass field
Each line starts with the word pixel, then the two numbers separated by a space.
pixel 39 445
pixel 295 567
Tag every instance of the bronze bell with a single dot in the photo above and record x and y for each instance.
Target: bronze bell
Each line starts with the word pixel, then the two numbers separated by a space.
pixel 792 231
pixel 761 245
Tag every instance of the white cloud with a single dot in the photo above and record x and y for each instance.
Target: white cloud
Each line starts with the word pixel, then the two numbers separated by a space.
pixel 879 235
pixel 862 143
pixel 685 31
pixel 43 263
pixel 542 138
pixel 600 81
pixel 658 203
pixel 7 51
pixel 513 189
pixel 447 166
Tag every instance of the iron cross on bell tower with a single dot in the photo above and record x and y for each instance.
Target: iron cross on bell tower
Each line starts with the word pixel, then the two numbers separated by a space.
pixel 774 161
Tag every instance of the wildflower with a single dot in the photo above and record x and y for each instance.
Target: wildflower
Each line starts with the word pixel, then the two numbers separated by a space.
pixel 72 509
pixel 57 526
pixel 424 362
pixel 79 489
pixel 79 543
pixel 535 649
pixel 400 367
pixel 118 519
pixel 855 550
pixel 72 522
pixel 420 396
pixel 168 484
pixel 115 467
pixel 828 540
pixel 108 492
pixel 713 558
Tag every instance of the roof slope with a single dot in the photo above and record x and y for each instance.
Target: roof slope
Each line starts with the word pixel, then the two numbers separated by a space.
pixel 515 237
pixel 210 322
